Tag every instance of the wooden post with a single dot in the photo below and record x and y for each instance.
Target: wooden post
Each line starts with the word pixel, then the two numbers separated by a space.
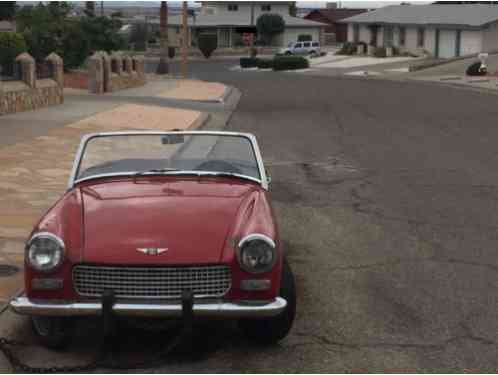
pixel 184 39
pixel 163 66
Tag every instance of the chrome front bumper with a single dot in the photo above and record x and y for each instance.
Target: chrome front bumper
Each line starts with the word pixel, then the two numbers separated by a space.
pixel 240 309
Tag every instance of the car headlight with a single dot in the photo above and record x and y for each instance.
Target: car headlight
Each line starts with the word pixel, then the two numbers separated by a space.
pixel 45 251
pixel 257 253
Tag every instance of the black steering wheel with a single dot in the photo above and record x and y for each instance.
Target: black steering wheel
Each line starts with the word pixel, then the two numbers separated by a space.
pixel 218 166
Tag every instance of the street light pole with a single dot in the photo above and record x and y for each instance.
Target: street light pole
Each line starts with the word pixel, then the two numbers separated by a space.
pixel 184 39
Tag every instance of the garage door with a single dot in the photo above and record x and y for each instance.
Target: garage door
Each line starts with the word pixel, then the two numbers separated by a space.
pixel 471 42
pixel 447 43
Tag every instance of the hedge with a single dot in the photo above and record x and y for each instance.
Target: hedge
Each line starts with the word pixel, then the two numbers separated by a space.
pixel 265 63
pixel 11 45
pixel 290 63
pixel 347 48
pixel 380 52
pixel 248 62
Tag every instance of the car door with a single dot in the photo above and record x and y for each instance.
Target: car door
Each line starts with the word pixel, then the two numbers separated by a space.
pixel 306 47
pixel 298 48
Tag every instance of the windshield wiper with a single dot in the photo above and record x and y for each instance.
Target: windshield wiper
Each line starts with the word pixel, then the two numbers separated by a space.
pixel 155 171
pixel 225 174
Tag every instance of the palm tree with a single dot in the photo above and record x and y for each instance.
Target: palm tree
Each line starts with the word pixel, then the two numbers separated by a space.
pixel 163 66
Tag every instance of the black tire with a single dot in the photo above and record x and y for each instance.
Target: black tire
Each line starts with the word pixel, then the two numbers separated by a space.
pixel 53 332
pixel 271 330
pixel 288 53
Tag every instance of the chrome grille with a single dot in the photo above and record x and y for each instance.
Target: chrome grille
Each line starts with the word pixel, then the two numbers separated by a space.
pixel 152 282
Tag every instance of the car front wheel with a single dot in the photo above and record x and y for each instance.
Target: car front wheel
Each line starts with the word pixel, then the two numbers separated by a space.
pixel 274 329
pixel 53 332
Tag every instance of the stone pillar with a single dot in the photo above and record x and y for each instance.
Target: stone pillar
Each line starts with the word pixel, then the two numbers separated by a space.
pixel 28 69
pixel 371 50
pixel 360 49
pixel 57 67
pixel 106 67
pixel 95 74
pixel 139 65
pixel 117 63
pixel 128 64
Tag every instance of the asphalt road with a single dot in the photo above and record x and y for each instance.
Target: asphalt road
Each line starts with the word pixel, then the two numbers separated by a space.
pixel 387 196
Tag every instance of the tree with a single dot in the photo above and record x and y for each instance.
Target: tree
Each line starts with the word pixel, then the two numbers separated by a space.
pixel 7 10
pixel 269 25
pixel 47 28
pixel 139 36
pixel 90 8
pixel 11 46
pixel 102 33
pixel 163 66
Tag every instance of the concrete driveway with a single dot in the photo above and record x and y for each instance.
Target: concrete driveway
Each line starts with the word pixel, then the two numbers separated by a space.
pixel 387 196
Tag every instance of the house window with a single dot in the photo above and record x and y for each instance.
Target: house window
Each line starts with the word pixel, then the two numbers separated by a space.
pixel 356 33
pixel 233 7
pixel 420 37
pixel 266 8
pixel 402 36
pixel 388 36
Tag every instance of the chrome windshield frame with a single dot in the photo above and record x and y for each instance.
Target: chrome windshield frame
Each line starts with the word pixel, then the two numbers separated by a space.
pixel 263 181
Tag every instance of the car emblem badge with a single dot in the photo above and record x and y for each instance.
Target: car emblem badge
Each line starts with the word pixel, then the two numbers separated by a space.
pixel 152 250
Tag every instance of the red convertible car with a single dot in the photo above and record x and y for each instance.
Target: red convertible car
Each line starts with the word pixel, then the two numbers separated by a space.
pixel 157 223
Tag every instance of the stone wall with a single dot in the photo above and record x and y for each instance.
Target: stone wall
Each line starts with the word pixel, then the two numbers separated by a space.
pixel 30 93
pixel 115 72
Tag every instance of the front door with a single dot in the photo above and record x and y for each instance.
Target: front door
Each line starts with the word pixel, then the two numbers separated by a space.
pixel 373 34
pixel 224 38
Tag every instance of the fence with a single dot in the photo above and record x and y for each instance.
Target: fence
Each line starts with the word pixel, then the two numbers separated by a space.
pixel 26 85
pixel 107 73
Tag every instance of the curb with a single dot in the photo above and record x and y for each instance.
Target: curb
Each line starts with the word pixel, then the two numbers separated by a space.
pixel 200 122
pixel 219 100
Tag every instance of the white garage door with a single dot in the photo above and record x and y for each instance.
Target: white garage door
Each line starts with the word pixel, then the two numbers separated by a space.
pixel 447 43
pixel 471 42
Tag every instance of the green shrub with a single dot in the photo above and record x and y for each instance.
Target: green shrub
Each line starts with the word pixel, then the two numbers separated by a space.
pixel 248 62
pixel 380 52
pixel 304 38
pixel 475 70
pixel 290 63
pixel 11 45
pixel 265 63
pixel 347 48
pixel 207 44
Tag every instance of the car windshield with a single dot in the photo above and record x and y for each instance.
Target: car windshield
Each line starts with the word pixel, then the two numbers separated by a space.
pixel 174 153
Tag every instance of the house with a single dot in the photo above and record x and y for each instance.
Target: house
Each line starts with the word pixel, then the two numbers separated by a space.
pixel 7 26
pixel 334 32
pixel 443 31
pixel 230 21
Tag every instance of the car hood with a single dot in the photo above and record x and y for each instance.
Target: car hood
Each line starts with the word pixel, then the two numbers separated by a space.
pixel 189 219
